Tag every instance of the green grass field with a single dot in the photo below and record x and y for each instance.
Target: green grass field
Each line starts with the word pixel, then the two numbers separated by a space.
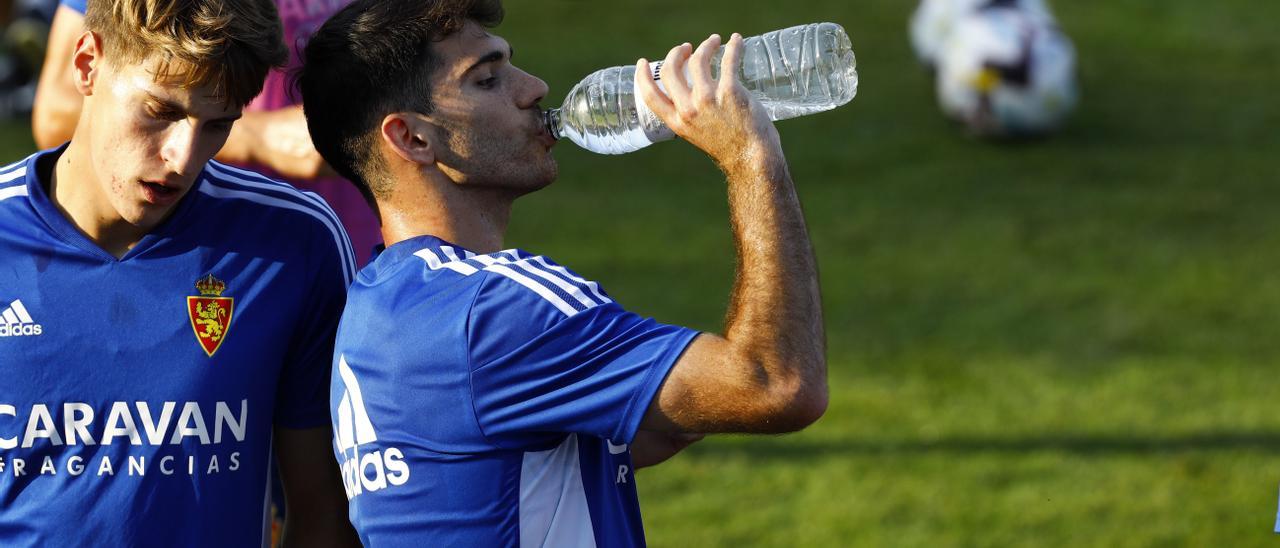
pixel 1063 343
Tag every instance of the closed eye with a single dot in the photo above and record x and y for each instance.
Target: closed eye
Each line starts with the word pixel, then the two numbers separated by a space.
pixel 162 113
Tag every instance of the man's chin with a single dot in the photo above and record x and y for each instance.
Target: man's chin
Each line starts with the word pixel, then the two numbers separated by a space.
pixel 538 178
pixel 528 187
pixel 553 173
pixel 148 216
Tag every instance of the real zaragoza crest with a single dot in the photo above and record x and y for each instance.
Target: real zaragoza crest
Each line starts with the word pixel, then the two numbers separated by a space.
pixel 210 313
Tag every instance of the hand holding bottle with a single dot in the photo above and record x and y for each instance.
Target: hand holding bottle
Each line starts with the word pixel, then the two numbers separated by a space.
pixel 719 117
pixel 792 72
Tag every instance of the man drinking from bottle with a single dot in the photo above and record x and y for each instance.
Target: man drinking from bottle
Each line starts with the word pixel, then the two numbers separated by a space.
pixel 485 396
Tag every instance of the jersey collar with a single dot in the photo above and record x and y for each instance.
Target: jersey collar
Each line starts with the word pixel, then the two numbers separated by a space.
pixel 65 230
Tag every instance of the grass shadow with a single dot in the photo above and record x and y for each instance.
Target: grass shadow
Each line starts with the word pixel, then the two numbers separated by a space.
pixel 1085 445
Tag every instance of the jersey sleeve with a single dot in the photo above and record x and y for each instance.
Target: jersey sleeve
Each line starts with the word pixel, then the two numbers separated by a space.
pixel 1278 521
pixel 78 5
pixel 302 398
pixel 551 354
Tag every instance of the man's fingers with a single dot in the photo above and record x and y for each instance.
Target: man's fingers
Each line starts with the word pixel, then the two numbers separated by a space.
pixel 649 92
pixel 718 118
pixel 731 64
pixel 700 68
pixel 673 74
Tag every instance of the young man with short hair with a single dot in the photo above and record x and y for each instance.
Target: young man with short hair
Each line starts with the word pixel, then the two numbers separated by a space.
pixel 491 397
pixel 167 321
pixel 270 137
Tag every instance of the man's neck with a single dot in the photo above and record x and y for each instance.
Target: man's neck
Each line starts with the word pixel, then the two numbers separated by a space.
pixel 475 219
pixel 73 190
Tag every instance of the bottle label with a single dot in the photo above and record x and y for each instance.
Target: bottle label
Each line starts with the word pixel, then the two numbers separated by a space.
pixel 657 72
pixel 654 129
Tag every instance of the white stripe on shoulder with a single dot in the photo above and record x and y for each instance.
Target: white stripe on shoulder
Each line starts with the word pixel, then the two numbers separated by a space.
pixel 524 264
pixel 226 173
pixel 12 192
pixel 232 174
pixel 16 165
pixel 18 173
pixel 434 263
pixel 536 287
pixel 594 287
pixel 339 237
pixel 250 178
pixel 450 254
pixel 565 286
pixel 222 173
pixel 522 270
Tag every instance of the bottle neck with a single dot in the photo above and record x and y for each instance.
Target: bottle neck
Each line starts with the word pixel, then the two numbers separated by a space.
pixel 551 118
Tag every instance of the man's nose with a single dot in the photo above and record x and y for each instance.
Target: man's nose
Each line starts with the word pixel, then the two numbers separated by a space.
pixel 179 149
pixel 535 91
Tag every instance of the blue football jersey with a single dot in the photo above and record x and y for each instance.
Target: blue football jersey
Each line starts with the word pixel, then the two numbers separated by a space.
pixel 141 392
pixel 488 400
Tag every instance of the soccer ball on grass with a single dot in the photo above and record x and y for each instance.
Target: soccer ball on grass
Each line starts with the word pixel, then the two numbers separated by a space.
pixel 1004 72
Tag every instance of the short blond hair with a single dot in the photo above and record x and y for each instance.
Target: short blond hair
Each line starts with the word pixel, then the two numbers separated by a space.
pixel 229 45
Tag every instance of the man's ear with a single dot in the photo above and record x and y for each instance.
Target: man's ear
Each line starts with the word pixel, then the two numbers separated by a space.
pixel 87 62
pixel 410 137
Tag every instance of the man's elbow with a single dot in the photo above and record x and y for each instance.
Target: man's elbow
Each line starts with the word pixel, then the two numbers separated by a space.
pixel 793 406
pixel 804 410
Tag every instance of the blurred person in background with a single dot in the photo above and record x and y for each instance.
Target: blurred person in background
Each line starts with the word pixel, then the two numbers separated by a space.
pixel 167 321
pixel 271 137
pixel 22 45
pixel 491 397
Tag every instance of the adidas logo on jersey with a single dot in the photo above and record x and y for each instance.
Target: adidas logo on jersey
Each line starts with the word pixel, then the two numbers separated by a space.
pixel 363 471
pixel 15 321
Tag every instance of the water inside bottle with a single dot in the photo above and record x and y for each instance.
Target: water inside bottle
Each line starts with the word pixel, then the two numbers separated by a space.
pixel 792 72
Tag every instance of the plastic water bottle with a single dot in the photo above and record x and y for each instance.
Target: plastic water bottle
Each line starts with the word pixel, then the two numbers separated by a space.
pixel 793 72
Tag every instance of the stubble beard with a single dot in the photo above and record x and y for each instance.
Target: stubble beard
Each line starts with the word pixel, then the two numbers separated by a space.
pixel 493 163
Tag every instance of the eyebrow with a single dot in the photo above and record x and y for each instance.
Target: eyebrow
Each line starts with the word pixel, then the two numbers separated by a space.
pixel 492 57
pixel 181 109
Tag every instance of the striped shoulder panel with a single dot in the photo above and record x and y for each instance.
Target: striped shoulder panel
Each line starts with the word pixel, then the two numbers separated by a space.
pixel 567 291
pixel 13 180
pixel 223 181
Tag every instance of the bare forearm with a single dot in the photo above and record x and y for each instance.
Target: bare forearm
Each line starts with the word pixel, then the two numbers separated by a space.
pixel 768 372
pixel 316 512
pixel 775 312
pixel 53 124
pixel 241 142
pixel 318 534
pixel 58 101
pixel 276 139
